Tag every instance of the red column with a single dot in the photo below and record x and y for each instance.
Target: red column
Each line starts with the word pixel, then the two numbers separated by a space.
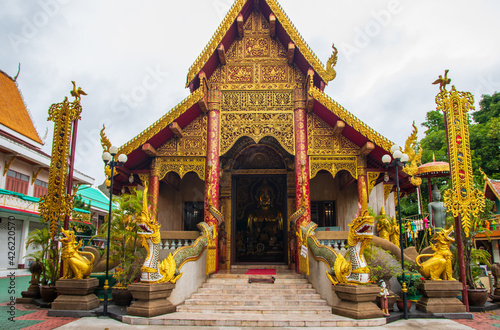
pixel 301 158
pixel 302 194
pixel 212 162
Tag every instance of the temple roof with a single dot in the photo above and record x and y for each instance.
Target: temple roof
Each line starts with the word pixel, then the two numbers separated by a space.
pixel 492 189
pixel 13 111
pixel 191 107
pixel 227 33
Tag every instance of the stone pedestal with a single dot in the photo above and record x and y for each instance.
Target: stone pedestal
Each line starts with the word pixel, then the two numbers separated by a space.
pixel 76 294
pixel 150 299
pixel 33 292
pixel 357 301
pixel 440 297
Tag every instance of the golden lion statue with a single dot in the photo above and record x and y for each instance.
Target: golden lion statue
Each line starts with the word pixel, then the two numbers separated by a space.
pixel 438 267
pixel 75 265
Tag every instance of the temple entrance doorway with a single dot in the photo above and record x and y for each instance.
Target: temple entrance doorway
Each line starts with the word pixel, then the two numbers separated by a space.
pixel 259 219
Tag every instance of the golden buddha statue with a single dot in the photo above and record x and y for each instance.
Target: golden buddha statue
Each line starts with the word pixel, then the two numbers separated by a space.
pixel 265 223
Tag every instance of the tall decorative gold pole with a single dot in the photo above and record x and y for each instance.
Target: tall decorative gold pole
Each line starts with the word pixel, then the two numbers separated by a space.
pixel 462 200
pixel 56 204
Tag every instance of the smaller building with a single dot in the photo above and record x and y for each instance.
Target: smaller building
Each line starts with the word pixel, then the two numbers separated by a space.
pixel 491 241
pixel 24 175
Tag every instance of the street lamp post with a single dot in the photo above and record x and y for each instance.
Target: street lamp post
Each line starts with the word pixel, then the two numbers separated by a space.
pixel 400 159
pixel 109 159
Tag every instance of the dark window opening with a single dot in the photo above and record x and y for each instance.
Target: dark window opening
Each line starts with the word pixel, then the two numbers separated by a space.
pixel 193 215
pixel 324 213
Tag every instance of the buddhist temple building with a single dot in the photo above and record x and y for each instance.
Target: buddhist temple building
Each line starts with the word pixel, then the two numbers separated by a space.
pixel 257 140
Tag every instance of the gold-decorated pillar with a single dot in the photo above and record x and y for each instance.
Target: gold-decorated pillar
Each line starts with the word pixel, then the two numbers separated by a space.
pixel 362 182
pixel 154 185
pixel 212 176
pixel 303 195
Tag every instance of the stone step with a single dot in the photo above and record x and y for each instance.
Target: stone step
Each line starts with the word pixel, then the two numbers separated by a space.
pixel 281 267
pixel 254 309
pixel 279 280
pixel 217 302
pixel 249 296
pixel 251 290
pixel 245 276
pixel 252 320
pixel 246 285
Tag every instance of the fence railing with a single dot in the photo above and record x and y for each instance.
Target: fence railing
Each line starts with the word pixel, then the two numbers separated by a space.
pixel 337 240
pixel 172 240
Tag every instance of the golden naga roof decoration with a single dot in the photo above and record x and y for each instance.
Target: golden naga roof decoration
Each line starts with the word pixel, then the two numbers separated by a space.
pixel 411 167
pixel 161 123
pixel 326 74
pixel 350 119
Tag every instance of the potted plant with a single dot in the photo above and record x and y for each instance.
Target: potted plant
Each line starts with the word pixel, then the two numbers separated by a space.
pixel 126 274
pixel 473 257
pixel 48 256
pixel 124 252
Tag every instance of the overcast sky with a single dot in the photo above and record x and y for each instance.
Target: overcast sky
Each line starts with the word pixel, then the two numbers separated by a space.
pixel 132 58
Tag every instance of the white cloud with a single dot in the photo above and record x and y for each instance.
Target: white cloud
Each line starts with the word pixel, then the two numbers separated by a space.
pixel 109 48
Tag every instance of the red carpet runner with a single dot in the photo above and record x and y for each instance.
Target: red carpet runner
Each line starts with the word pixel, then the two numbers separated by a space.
pixel 261 272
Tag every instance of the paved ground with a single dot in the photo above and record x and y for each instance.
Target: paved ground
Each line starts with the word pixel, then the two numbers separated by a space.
pixel 31 317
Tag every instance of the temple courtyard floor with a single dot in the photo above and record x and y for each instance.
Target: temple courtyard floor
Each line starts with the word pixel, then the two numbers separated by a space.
pixel 32 317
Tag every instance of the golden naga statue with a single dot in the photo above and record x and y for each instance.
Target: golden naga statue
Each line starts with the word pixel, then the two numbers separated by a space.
pixel 439 266
pixel 75 265
pixel 355 271
pixel 411 167
pixel 330 73
pixel 153 271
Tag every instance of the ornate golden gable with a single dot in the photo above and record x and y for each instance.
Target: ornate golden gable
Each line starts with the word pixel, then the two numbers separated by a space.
pixel 282 18
pixel 192 143
pixel 257 61
pixel 321 140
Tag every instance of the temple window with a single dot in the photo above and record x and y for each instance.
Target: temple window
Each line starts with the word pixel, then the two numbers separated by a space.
pixel 323 213
pixel 193 215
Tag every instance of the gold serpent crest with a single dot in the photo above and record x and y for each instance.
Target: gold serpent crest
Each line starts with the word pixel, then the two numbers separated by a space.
pixel 411 167
pixel 462 199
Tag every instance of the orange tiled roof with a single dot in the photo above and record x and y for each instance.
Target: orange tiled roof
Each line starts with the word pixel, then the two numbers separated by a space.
pixel 492 189
pixel 13 112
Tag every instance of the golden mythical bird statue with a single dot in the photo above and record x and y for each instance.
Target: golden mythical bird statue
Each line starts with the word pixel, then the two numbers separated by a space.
pixel 443 81
pixel 76 93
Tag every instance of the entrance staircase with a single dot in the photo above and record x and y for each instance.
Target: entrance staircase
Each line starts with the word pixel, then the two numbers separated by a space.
pixel 228 299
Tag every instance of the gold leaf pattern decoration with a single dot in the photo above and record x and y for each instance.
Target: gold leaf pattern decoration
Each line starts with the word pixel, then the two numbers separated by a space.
pixel 333 164
pixel 462 199
pixel 55 205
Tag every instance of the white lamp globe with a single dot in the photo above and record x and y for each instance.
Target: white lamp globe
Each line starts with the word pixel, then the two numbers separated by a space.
pixel 394 148
pixel 113 150
pixel 386 159
pixel 397 154
pixel 106 156
pixel 404 158
pixel 122 158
